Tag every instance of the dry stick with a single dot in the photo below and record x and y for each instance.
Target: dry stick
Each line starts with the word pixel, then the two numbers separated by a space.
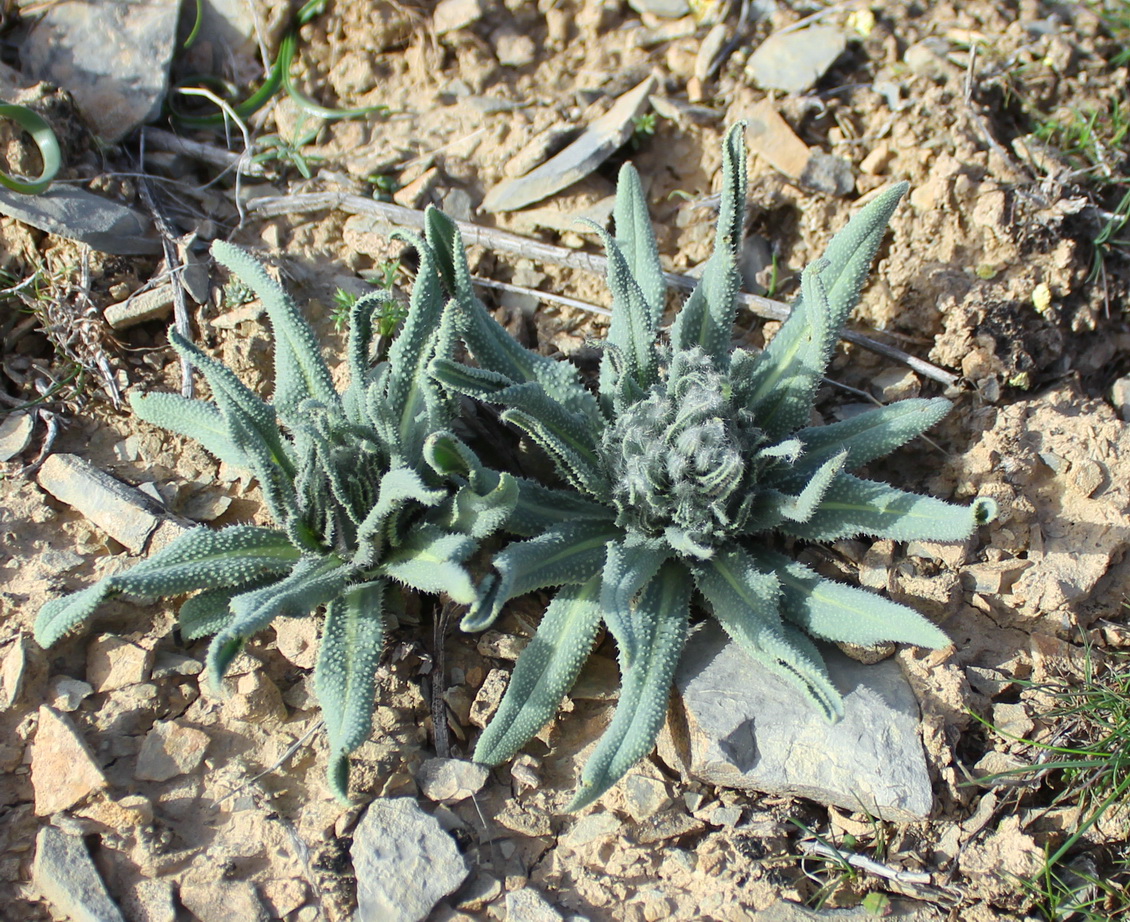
pixel 865 864
pixel 206 153
pixel 504 241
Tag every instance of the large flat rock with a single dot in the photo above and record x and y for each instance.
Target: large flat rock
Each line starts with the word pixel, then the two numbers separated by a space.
pixel 744 727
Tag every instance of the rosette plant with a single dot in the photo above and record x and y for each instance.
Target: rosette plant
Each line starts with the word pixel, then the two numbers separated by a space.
pixel 368 488
pixel 692 460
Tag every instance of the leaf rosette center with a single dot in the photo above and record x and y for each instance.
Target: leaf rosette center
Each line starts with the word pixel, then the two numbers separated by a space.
pixel 683 459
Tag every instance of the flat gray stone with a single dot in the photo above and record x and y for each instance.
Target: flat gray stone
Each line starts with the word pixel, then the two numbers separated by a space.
pixel 100 223
pixel 828 174
pixel 127 515
pixel 749 729
pixel 598 141
pixel 404 861
pixel 793 61
pixel 112 56
pixel 665 9
pixel 67 878
pixel 15 434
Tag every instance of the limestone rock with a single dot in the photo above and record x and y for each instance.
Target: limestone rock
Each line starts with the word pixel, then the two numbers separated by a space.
pixel 170 749
pixel 794 61
pixel 221 900
pixel 13 670
pixel 125 514
pixel 66 694
pixel 113 662
pixel 15 434
pixel 112 56
pixel 527 905
pixel 749 729
pixel 67 878
pixel 665 9
pixel 451 780
pixel 598 141
pixel 451 15
pixel 404 861
pixel 63 769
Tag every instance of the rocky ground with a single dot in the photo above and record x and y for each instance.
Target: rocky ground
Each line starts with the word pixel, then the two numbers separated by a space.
pixel 129 787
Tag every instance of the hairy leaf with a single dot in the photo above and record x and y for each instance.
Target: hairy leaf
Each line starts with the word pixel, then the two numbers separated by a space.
pixel 854 506
pixel 544 672
pixel 344 675
pixel 636 240
pixel 313 582
pixel 660 618
pixel 199 559
pixel 629 566
pixel 196 419
pixel 300 372
pixel 565 554
pixel 430 560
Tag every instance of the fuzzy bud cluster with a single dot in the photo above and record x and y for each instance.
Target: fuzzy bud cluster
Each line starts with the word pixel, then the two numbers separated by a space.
pixel 680 458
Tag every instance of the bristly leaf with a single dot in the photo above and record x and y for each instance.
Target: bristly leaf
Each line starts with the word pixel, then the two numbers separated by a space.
pixel 344 676
pixel 660 620
pixel 631 334
pixel 545 671
pixel 707 319
pixel 746 602
pixel 853 506
pixel 868 435
pixel 795 358
pixel 636 240
pixel 209 612
pixel 430 560
pixel 629 566
pixel 194 418
pixel 198 559
pixel 300 373
pixel 565 554
pixel 833 611
pixel 313 582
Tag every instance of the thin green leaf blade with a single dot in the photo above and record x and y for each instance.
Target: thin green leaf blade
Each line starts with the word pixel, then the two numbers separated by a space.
pixel 635 238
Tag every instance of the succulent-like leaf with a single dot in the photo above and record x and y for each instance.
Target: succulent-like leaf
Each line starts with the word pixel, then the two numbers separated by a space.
pixel 540 508
pixel 631 334
pixel 868 435
pixel 197 419
pixel 565 554
pixel 398 488
pixel 209 612
pixel 199 559
pixel 629 566
pixel 833 611
pixel 430 560
pixel 707 319
pixel 344 675
pixel 312 582
pixel 791 364
pixel 660 621
pixel 802 507
pixel 544 672
pixel 481 514
pixel 854 506
pixel 408 381
pixel 636 240
pixel 746 602
pixel 300 372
